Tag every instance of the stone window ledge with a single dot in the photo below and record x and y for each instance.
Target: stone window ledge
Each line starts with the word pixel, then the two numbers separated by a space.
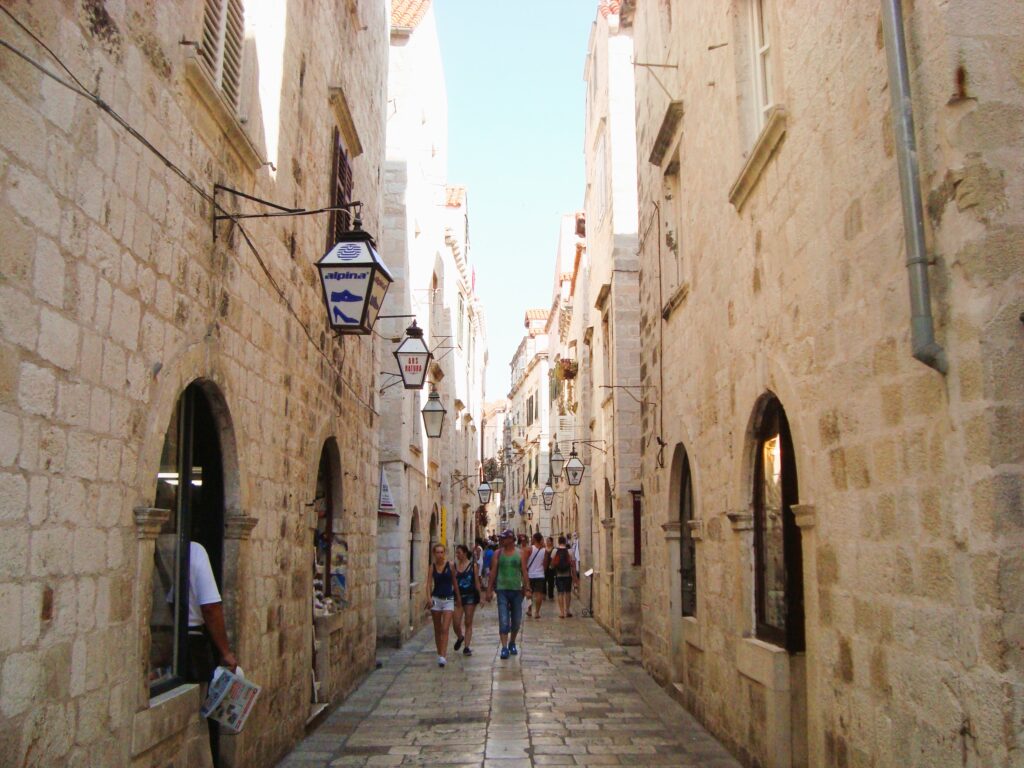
pixel 675 300
pixel 168 714
pixel 771 136
pixel 691 632
pixel 763 663
pixel 222 113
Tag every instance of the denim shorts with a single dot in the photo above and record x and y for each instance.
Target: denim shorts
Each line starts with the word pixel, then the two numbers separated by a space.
pixel 442 604
pixel 563 584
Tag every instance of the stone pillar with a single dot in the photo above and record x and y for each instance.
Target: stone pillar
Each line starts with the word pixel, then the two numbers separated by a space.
pixel 808 728
pixel 148 523
pixel 238 527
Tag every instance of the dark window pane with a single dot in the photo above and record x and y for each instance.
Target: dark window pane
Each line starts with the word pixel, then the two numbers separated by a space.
pixel 687 546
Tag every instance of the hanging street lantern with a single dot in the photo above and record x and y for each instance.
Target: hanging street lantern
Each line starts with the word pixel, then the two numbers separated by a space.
pixel 433 415
pixel 499 485
pixel 354 281
pixel 533 499
pixel 484 492
pixel 413 358
pixel 574 468
pixel 549 494
pixel 557 463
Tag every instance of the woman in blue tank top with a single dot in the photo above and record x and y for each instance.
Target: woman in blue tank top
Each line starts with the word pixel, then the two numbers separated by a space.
pixel 467 578
pixel 443 598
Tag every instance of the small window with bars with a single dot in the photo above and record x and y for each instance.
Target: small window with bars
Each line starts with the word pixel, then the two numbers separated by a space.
pixel 341 189
pixel 221 50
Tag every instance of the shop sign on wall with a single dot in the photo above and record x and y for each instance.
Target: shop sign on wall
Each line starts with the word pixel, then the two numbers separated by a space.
pixel 385 502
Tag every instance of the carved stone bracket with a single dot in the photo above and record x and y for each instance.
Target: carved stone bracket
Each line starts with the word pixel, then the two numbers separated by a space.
pixel 239 526
pixel 607 522
pixel 149 521
pixel 696 529
pixel 806 516
pixel 741 520
pixel 672 530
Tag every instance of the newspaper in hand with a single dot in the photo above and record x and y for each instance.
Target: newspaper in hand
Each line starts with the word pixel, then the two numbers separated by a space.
pixel 230 698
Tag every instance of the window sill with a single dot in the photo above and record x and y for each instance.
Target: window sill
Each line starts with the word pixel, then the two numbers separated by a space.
pixel 167 714
pixel 763 663
pixel 223 115
pixel 771 136
pixel 675 300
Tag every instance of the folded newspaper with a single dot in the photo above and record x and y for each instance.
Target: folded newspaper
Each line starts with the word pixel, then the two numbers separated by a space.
pixel 230 698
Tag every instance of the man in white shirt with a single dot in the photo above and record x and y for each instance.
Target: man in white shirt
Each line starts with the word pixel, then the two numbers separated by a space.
pixel 536 563
pixel 205 618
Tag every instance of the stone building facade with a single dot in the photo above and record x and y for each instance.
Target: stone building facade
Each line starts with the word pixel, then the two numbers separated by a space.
pixel 832 570
pixel 527 465
pixel 426 236
pixel 611 338
pixel 125 324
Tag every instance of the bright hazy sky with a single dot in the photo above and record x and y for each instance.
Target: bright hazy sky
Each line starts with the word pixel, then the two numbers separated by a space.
pixel 514 75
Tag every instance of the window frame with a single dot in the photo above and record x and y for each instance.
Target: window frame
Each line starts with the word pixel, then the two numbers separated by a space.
pixel 761 53
pixel 771 424
pixel 185 414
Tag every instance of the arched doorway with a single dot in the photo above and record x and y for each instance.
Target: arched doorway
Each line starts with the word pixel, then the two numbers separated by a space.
pixel 434 533
pixel 778 589
pixel 329 570
pixel 681 506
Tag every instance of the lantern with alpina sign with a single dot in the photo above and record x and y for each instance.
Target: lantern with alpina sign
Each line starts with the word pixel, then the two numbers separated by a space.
pixel 574 468
pixel 413 358
pixel 354 281
pixel 433 415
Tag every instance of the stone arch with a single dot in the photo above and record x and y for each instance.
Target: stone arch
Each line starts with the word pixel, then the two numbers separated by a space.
pixel 435 522
pixel 197 365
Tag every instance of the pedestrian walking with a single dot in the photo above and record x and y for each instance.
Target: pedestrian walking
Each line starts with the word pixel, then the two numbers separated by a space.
pixel 467 579
pixel 564 566
pixel 509 579
pixel 536 562
pixel 549 572
pixel 444 597
pixel 485 568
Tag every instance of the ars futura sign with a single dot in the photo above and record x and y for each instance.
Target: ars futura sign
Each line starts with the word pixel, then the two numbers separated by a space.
pixel 355 281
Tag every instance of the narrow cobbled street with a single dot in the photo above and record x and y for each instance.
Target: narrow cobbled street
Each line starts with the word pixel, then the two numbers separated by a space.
pixel 572 697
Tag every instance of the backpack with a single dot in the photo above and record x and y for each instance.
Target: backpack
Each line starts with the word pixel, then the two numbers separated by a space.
pixel 560 560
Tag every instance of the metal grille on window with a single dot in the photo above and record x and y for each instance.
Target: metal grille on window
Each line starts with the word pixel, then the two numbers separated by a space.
pixel 221 51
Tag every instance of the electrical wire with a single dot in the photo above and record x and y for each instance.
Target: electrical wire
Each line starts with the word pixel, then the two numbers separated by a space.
pixel 78 88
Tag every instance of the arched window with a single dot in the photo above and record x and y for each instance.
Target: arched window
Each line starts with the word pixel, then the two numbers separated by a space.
pixel 687 545
pixel 330 579
pixel 778 568
pixel 189 483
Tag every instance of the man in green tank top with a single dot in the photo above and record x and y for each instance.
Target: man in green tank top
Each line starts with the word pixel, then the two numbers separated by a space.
pixel 509 578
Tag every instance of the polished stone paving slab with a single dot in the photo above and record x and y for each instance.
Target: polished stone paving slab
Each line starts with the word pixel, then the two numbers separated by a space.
pixel 571 698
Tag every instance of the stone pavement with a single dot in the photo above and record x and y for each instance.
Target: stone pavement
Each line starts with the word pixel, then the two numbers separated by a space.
pixel 572 697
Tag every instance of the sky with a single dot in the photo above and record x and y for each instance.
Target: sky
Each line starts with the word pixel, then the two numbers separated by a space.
pixel 514 76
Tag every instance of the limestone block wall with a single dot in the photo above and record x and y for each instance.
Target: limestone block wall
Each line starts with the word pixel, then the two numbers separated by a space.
pixel 909 480
pixel 113 299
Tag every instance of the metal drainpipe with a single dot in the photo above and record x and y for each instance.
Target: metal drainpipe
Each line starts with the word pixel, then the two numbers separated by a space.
pixel 922 328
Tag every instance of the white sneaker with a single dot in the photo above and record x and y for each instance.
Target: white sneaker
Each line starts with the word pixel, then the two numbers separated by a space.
pixel 441 661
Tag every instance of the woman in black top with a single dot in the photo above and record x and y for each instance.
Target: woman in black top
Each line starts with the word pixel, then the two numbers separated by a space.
pixel 467 579
pixel 444 597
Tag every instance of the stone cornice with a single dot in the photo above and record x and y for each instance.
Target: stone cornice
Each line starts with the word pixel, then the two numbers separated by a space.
pixel 149 521
pixel 239 526
pixel 741 520
pixel 806 516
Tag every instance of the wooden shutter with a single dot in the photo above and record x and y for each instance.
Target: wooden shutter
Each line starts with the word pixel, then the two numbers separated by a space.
pixel 221 50
pixel 341 188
